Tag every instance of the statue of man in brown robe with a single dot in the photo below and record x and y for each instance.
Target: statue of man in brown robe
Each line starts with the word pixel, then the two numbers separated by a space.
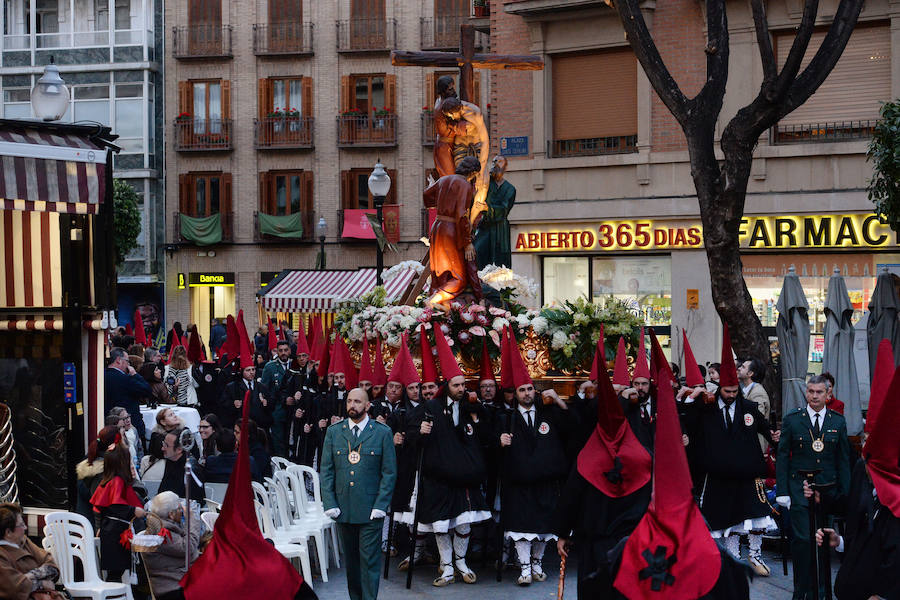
pixel 452 256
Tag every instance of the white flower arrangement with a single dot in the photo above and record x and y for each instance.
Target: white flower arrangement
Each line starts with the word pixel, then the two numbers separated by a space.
pixel 504 278
pixel 406 265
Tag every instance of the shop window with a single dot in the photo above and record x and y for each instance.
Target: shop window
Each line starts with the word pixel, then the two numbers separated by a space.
pixel 643 283
pixel 17 103
pixel 355 188
pixel 565 278
pixel 589 115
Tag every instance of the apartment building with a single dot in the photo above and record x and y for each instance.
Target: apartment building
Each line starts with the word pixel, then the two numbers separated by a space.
pixel 606 204
pixel 277 112
pixel 109 53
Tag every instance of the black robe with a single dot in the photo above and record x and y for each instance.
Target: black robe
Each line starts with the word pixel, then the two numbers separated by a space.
pixel 302 444
pixel 533 468
pixel 114 520
pixel 596 522
pixel 206 375
pixel 644 430
pixel 871 563
pixel 173 478
pixel 400 421
pixel 331 404
pixel 236 390
pixel 730 462
pixel 453 465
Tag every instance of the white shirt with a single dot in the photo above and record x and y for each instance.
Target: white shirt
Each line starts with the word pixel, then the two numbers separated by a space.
pixel 525 412
pixel 812 415
pixel 746 390
pixel 730 409
pixel 361 425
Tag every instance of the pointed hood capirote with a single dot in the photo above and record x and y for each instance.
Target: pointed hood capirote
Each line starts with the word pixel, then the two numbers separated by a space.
pixel 272 336
pixel 302 342
pixel 641 367
pixel 692 374
pixel 506 381
pixel 449 366
pixel 194 349
pixel 613 460
pixel 881 381
pixel 486 370
pixel 519 375
pixel 620 372
pixel 403 370
pixel 140 335
pixel 378 373
pixel 882 448
pixel 365 362
pixel 429 370
pixel 671 554
pixel 727 369
pixel 245 346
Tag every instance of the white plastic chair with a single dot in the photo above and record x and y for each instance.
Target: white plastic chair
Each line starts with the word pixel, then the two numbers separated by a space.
pixel 282 544
pixel 209 519
pixel 304 526
pixel 70 536
pixel 313 507
pixel 279 463
pixel 215 491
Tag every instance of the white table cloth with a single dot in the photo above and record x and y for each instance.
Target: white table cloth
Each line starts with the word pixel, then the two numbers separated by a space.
pixel 190 416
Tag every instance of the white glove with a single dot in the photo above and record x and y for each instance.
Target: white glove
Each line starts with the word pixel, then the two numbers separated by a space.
pixel 333 513
pixel 784 501
pixel 377 514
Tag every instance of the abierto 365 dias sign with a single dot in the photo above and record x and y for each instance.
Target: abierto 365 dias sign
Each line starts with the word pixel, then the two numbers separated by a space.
pixel 764 232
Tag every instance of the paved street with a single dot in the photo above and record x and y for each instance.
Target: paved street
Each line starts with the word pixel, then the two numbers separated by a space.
pixel 776 587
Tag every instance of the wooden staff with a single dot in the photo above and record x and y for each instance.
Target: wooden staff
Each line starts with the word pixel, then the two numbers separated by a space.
pixel 561 586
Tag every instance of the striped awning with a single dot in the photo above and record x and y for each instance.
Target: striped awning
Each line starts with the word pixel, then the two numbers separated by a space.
pixel 31 323
pixel 45 171
pixel 321 291
pixel 30 271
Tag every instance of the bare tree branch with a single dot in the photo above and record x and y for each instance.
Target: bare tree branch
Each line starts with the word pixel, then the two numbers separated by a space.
pixel 798 50
pixel 648 55
pixel 717 50
pixel 764 40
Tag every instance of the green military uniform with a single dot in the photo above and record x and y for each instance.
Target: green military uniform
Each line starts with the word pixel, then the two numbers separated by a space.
pixel 358 475
pixel 274 377
pixel 797 453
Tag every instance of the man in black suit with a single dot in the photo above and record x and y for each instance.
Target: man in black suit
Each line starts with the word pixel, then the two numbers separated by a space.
pixel 124 387
pixel 232 401
pixel 218 468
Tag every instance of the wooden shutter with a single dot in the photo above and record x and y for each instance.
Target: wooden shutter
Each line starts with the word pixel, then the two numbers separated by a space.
pixel 348 195
pixel 391 198
pixel 306 90
pixel 476 93
pixel 430 93
pixel 285 11
pixel 859 82
pixel 306 203
pixel 367 9
pixel 264 97
pixel 264 196
pixel 185 97
pixel 346 92
pixel 451 8
pixel 390 92
pixel 204 12
pixel 184 194
pixel 225 200
pixel 594 94
pixel 226 99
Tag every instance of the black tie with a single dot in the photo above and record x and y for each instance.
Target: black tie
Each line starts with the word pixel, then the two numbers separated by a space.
pixel 249 385
pixel 530 422
pixel 816 429
pixel 727 417
pixel 356 432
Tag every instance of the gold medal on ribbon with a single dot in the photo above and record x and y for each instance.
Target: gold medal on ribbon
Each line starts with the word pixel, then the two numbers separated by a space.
pixel 353 457
pixel 818 445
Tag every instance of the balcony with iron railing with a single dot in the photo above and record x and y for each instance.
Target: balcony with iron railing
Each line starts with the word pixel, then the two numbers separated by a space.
pixel 359 130
pixel 442 33
pixel 366 35
pixel 427 127
pixel 202 41
pixel 283 39
pixel 622 144
pixel 227 224
pixel 203 135
pixel 283 133
pixel 813 133
pixel 480 9
pixel 308 220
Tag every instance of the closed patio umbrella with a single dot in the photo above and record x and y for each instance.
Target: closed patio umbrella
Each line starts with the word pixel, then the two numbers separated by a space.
pixel 882 324
pixel 792 328
pixel 838 359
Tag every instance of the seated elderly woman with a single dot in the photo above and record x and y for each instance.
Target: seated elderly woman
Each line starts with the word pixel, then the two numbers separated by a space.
pixel 166 566
pixel 26 571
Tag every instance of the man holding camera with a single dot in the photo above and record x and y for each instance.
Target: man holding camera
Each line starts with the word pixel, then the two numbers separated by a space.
pixel 813 442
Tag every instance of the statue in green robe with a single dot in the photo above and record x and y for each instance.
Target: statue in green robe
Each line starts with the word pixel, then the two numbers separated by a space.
pixel 491 240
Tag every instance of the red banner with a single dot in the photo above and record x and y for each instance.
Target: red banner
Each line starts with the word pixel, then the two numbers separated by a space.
pixel 356 224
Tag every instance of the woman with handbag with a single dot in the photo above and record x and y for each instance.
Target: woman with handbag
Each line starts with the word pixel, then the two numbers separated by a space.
pixel 27 572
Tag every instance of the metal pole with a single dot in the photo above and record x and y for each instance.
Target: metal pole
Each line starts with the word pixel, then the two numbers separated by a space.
pixel 187 509
pixel 322 253
pixel 379 265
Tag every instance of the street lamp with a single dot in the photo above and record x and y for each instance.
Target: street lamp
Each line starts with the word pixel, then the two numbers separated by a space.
pixel 321 231
pixel 379 186
pixel 50 95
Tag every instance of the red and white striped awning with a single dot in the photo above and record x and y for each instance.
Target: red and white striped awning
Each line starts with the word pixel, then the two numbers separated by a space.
pixel 45 171
pixel 31 323
pixel 321 291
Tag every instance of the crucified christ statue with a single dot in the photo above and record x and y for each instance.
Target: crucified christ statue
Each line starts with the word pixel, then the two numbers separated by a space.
pixel 470 139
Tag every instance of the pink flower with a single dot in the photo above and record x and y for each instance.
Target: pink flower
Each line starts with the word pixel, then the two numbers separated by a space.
pixel 476 308
pixel 476 330
pixel 482 320
pixel 495 337
pixel 464 337
pixel 445 329
pixel 572 336
pixel 467 317
pixel 497 312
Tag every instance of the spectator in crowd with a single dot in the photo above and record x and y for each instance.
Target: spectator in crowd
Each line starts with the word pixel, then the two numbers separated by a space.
pixel 166 566
pixel 27 572
pixel 166 421
pixel 261 458
pixel 217 335
pixel 179 379
pixel 89 472
pixel 173 474
pixel 219 467
pixel 209 430
pixel 832 402
pixel 750 375
pixel 151 355
pixel 129 435
pixel 124 387
pixel 261 340
pixel 152 373
pixel 117 504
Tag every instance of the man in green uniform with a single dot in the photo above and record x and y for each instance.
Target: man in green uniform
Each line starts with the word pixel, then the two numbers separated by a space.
pixel 276 379
pixel 492 244
pixel 359 469
pixel 813 438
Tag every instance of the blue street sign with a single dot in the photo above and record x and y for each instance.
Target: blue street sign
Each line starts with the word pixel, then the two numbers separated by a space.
pixel 69 383
pixel 516 145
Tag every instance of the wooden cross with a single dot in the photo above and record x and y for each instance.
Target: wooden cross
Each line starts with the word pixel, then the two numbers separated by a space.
pixel 466 60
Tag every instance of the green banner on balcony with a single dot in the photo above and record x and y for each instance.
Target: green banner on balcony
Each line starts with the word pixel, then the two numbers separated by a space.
pixel 203 231
pixel 286 226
